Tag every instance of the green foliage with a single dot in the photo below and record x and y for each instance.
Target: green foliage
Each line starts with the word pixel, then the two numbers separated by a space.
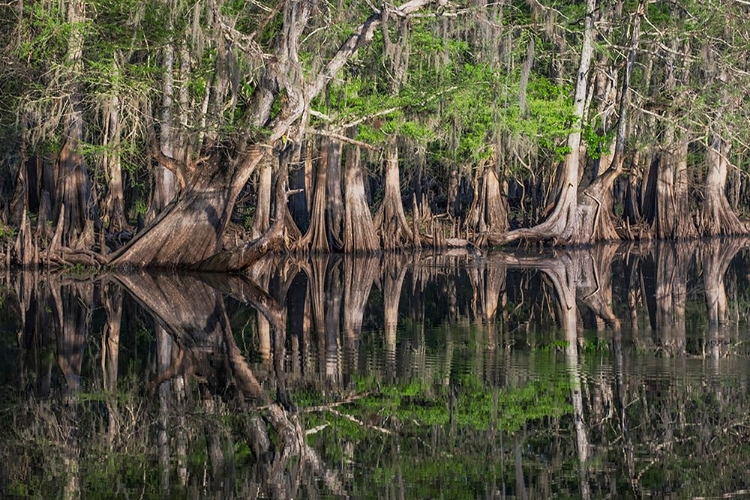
pixel 7 233
pixel 477 407
pixel 597 141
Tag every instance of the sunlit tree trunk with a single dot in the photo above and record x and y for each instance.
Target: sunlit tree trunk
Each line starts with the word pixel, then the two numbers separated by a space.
pixel 716 215
pixel 359 231
pixel 262 217
pixel 565 224
pixel 164 187
pixel 390 219
pixel 334 198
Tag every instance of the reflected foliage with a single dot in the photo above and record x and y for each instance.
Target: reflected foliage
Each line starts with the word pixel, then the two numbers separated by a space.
pixel 612 371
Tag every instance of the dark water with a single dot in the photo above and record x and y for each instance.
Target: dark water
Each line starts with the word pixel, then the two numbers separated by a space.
pixel 603 373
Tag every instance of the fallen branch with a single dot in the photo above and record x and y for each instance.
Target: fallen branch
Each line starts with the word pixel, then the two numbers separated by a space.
pixel 350 399
pixel 355 420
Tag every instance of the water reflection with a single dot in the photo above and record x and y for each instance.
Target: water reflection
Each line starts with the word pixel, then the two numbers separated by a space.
pixel 611 371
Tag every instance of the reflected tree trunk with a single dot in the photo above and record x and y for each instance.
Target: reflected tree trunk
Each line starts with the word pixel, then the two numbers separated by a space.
pixel 333 297
pixel 393 272
pixel 359 274
pixel 192 312
pixel 594 287
pixel 112 302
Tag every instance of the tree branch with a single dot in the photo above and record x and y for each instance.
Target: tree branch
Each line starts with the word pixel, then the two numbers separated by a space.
pixel 361 36
pixel 343 138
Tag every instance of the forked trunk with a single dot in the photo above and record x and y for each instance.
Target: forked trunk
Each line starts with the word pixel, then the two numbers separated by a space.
pixel 565 224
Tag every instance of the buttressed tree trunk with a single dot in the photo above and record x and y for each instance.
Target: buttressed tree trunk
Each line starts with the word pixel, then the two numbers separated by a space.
pixel 491 208
pixel 359 230
pixel 73 188
pixel 565 224
pixel 716 215
pixel 390 220
pixel 600 190
pixel 334 198
pixel 316 238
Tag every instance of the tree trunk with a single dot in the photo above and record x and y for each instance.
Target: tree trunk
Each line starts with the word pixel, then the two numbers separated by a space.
pixel 113 211
pixel 73 187
pixel 359 231
pixel 491 207
pixel 390 220
pixel 164 187
pixel 190 230
pixel 716 215
pixel 316 239
pixel 665 214
pixel 262 217
pixel 299 202
pixel 598 196
pixel 565 224
pixel 335 205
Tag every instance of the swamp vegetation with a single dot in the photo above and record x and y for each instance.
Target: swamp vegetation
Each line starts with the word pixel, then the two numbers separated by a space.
pixel 204 134
pixel 607 372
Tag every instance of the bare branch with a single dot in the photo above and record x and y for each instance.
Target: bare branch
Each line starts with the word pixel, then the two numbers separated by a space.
pixel 361 36
pixel 343 138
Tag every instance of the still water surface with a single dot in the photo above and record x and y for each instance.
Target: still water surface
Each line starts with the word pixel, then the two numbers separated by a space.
pixel 614 372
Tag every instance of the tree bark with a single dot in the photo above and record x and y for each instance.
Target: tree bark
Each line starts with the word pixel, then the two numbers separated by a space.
pixel 335 202
pixel 390 220
pixel 359 230
pixel 316 239
pixel 113 211
pixel 164 188
pixel 716 215
pixel 262 217
pixel 492 209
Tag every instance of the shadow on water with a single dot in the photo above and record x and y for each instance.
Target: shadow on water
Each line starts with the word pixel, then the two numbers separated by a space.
pixel 612 371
